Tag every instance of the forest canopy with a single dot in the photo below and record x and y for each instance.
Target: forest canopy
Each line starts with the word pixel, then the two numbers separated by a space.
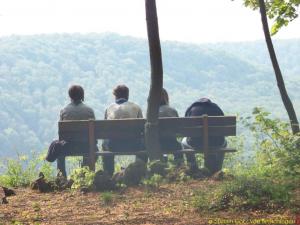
pixel 36 72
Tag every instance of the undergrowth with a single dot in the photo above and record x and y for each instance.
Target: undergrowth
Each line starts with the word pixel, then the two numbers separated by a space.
pixel 268 179
pixel 245 193
pixel 265 180
pixel 20 172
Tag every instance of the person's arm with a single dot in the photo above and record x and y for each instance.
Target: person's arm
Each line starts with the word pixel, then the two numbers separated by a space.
pixel 60 115
pixel 140 113
pixel 93 114
pixel 217 110
pixel 220 111
pixel 105 114
pixel 176 113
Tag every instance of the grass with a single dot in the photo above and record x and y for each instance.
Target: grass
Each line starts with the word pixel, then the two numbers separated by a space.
pixel 20 172
pixel 245 193
pixel 154 181
pixel 106 198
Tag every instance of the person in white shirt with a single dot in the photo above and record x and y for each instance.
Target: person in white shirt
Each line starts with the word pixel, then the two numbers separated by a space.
pixel 121 109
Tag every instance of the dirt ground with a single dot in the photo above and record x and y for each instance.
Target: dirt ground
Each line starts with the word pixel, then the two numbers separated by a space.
pixel 170 204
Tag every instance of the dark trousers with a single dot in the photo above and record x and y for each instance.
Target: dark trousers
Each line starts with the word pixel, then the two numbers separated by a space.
pixel 213 162
pixel 75 149
pixel 170 145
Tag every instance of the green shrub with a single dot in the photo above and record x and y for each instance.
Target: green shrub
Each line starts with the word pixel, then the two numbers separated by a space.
pixel 154 181
pixel 106 198
pixel 177 173
pixel 157 167
pixel 23 170
pixel 244 193
pixel 82 177
pixel 277 149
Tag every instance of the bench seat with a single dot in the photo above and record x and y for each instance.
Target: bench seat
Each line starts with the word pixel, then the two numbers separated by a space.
pixel 213 150
pixel 200 127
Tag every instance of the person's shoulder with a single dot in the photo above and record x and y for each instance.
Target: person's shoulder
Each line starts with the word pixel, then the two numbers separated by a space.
pixel 168 109
pixel 66 107
pixel 173 109
pixel 112 105
pixel 133 104
pixel 83 105
pixel 215 105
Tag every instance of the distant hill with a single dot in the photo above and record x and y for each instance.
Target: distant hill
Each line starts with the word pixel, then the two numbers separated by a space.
pixel 36 71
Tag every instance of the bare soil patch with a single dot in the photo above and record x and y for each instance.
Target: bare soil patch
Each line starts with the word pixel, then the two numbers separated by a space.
pixel 170 204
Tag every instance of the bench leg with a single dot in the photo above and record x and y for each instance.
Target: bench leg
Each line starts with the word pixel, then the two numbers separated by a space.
pixel 191 160
pixel 109 164
pixel 142 157
pixel 85 161
pixel 61 165
pixel 214 162
pixel 178 158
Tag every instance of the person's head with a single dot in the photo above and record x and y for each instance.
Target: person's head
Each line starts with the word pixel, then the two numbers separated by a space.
pixel 76 93
pixel 121 91
pixel 164 98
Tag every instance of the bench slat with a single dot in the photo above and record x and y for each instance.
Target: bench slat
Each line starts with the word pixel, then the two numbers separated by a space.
pixel 136 133
pixel 134 128
pixel 198 131
pixel 104 153
pixel 131 133
pixel 136 124
pixel 175 122
pixel 71 136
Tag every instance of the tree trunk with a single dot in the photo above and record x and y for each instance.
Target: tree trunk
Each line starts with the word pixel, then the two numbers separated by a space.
pixel 280 82
pixel 151 126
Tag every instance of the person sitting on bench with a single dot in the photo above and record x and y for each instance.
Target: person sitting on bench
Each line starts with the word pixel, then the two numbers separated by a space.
pixel 169 144
pixel 121 109
pixel 75 110
pixel 214 161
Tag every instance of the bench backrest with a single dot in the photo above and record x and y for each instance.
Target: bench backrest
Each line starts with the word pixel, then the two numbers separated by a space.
pixel 91 130
pixel 132 128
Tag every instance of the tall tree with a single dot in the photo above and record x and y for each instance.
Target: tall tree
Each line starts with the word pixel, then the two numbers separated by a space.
pixel 280 82
pixel 151 126
pixel 281 11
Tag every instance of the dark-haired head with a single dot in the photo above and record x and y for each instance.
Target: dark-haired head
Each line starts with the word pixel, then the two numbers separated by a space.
pixel 76 93
pixel 164 99
pixel 121 91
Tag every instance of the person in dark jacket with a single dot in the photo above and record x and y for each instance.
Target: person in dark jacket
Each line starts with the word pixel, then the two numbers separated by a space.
pixel 201 107
pixel 75 110
pixel 169 144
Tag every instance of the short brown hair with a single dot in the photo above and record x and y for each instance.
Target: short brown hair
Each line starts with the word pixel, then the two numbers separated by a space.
pixel 121 91
pixel 76 93
pixel 164 98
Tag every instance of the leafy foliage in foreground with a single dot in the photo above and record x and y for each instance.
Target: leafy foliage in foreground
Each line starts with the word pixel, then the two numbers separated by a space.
pixel 266 181
pixel 282 11
pixel 277 149
pixel 82 177
pixel 244 193
pixel 106 198
pixel 22 171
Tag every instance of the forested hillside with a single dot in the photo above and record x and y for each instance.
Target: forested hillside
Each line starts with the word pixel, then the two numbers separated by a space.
pixel 36 71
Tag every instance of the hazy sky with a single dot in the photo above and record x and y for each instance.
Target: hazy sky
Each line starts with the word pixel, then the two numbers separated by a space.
pixel 195 21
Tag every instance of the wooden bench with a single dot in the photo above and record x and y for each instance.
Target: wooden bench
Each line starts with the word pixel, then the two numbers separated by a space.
pixel 92 130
